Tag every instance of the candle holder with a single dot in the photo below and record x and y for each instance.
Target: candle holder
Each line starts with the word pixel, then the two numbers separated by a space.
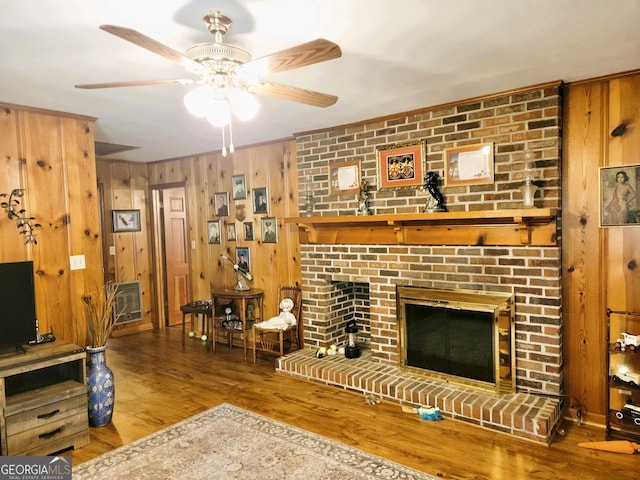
pixel 528 188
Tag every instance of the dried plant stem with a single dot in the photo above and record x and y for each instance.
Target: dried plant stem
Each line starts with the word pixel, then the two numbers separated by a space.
pixel 101 318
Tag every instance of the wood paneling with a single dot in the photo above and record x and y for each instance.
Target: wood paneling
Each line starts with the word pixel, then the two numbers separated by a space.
pixel 598 263
pixel 51 156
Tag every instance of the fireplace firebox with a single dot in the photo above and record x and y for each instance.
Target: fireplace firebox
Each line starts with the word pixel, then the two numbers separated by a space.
pixel 460 336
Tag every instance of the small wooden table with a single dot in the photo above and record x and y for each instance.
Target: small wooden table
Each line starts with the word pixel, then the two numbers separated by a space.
pixel 241 298
pixel 204 309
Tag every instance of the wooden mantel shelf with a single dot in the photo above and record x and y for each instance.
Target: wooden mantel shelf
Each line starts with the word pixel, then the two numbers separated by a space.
pixel 531 226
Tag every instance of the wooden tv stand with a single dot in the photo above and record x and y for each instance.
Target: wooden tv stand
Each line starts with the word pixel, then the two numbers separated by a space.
pixel 43 399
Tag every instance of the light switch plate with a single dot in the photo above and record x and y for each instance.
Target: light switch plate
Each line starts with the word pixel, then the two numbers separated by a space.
pixel 77 262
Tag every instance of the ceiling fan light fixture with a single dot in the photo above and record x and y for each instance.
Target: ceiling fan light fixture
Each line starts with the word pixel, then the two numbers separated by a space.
pixel 199 101
pixel 244 105
pixel 220 114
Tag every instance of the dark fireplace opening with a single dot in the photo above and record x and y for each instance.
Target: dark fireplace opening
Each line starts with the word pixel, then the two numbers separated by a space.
pixel 462 336
pixel 454 342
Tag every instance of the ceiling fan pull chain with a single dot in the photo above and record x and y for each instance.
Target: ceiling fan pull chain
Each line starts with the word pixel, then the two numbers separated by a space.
pixel 224 143
pixel 231 147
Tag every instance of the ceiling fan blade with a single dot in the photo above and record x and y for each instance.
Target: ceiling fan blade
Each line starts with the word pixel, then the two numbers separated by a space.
pixel 316 51
pixel 295 94
pixel 135 83
pixel 153 46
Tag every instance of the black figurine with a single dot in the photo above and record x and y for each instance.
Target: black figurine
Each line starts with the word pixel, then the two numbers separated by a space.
pixel 435 203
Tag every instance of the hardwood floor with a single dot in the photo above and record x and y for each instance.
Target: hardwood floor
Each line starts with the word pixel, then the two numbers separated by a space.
pixel 159 382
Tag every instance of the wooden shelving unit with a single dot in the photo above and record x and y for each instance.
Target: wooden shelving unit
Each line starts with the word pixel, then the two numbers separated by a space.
pixel 43 399
pixel 623 386
pixel 532 226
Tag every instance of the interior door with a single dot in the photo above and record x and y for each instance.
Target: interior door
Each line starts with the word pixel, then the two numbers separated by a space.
pixel 176 253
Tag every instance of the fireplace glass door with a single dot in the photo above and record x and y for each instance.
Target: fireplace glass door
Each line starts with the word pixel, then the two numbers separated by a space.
pixel 461 336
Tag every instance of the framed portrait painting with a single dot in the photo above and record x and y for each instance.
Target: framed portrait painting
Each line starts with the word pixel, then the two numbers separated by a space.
pixel 126 220
pixel 231 231
pixel 213 231
pixel 618 195
pixel 468 165
pixel 242 259
pixel 221 203
pixel 260 200
pixel 269 229
pixel 247 228
pixel 239 186
pixel 401 165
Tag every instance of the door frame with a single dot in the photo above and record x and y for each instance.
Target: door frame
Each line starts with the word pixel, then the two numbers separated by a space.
pixel 157 232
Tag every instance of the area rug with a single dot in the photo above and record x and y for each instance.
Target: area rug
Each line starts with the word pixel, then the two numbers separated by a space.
pixel 227 442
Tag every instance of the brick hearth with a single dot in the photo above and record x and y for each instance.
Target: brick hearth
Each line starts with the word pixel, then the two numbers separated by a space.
pixel 527 416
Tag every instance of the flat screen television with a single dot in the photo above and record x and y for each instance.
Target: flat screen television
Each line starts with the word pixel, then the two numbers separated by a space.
pixel 17 305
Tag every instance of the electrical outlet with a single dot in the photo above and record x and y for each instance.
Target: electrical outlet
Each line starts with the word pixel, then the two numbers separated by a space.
pixel 77 262
pixel 112 250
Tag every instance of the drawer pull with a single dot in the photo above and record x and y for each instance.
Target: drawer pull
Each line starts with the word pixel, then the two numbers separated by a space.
pixel 44 416
pixel 50 434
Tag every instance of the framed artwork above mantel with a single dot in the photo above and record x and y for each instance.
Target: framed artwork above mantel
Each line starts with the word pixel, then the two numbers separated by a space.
pixel 401 165
pixel 344 177
pixel 468 165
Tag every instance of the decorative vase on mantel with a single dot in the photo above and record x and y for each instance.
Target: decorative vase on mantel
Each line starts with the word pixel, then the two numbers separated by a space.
pixel 100 388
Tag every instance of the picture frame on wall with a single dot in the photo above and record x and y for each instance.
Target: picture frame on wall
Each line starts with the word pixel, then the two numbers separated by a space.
pixel 221 203
pixel 126 220
pixel 239 186
pixel 231 231
pixel 269 229
pixel 260 200
pixel 619 205
pixel 401 165
pixel 468 165
pixel 247 228
pixel 345 177
pixel 213 231
pixel 242 259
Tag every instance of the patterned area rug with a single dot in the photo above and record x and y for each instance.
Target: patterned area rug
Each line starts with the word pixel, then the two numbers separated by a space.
pixel 227 442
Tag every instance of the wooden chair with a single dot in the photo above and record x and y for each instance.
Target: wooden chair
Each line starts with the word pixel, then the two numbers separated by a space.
pixel 274 340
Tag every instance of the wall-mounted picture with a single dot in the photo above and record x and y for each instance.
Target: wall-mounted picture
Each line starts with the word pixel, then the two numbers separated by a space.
pixel 231 231
pixel 269 229
pixel 401 165
pixel 618 195
pixel 345 177
pixel 221 203
pixel 247 227
pixel 239 186
pixel 213 231
pixel 260 200
pixel 468 165
pixel 242 259
pixel 126 220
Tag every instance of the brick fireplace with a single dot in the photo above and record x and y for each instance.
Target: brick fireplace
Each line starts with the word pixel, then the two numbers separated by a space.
pixel 473 247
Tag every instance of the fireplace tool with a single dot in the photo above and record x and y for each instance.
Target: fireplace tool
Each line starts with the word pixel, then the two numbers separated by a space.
pixel 351 350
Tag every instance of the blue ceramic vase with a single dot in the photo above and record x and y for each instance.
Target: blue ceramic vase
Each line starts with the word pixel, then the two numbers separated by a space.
pixel 100 388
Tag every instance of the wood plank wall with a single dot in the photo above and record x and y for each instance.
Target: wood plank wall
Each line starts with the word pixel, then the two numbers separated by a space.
pixel 51 155
pixel 130 185
pixel 599 264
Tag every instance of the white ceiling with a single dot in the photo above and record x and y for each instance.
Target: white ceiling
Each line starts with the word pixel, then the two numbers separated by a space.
pixel 397 55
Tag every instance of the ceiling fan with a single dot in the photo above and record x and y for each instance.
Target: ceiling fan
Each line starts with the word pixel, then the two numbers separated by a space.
pixel 226 74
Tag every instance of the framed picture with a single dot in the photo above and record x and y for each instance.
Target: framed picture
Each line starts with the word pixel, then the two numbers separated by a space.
pixel 269 229
pixel 618 195
pixel 231 231
pixel 239 186
pixel 213 231
pixel 247 227
pixel 344 177
pixel 260 200
pixel 242 258
pixel 221 203
pixel 401 165
pixel 126 220
pixel 468 165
